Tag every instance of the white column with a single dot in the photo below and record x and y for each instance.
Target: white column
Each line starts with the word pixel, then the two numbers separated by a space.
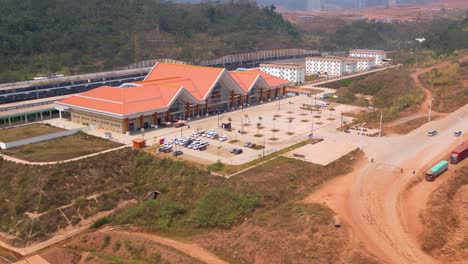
pixel 60 114
pixel 9 121
pixel 25 118
pixel 41 115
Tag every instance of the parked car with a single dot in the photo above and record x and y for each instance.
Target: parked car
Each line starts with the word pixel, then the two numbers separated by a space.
pixel 177 153
pixel 232 150
pixel 165 149
pixel 457 133
pixel 223 138
pixel 432 133
pixel 202 148
pixel 237 151
pixel 247 144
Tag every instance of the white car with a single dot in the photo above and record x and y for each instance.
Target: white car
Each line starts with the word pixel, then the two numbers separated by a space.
pixel 223 138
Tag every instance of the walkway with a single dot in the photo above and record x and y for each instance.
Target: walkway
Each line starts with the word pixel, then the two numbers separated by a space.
pixel 25 162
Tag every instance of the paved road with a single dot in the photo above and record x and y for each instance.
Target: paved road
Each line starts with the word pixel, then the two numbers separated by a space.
pixel 369 198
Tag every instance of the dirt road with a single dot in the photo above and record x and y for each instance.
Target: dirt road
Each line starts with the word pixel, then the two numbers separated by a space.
pixel 415 76
pixel 369 199
pixel 192 250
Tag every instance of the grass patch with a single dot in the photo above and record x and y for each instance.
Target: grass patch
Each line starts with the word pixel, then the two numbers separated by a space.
pixel 275 130
pixel 258 135
pixel 27 131
pixel 217 166
pixel 233 141
pixel 77 145
pixel 290 133
pixel 406 127
pixel 220 207
pixel 258 147
pixel 273 139
pixel 305 120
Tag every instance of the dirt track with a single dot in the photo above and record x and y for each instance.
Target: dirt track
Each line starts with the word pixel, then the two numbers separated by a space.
pixel 192 250
pixel 369 199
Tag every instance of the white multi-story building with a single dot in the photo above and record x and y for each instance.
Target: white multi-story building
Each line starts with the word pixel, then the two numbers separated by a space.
pixel 378 55
pixel 363 64
pixel 289 71
pixel 351 66
pixel 331 66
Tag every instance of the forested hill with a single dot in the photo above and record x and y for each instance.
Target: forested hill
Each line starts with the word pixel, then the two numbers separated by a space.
pixel 90 35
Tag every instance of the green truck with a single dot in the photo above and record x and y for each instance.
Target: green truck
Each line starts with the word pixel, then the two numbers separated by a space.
pixel 437 170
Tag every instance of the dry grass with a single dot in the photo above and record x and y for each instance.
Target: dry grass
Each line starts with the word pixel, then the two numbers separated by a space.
pixel 26 131
pixel 63 148
pixel 448 86
pixel 406 127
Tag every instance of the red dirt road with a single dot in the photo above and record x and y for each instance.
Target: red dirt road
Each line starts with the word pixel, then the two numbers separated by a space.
pixel 371 199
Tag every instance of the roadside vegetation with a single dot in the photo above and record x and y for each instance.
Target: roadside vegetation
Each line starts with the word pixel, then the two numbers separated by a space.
pixel 448 86
pixel 445 218
pixel 63 148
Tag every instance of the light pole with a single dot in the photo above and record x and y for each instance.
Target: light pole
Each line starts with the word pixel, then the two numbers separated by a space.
pixel 312 123
pixel 430 108
pixel 264 146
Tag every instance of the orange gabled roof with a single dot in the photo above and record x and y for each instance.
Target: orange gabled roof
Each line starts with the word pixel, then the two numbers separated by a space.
pixel 198 80
pixel 244 79
pixel 125 101
pixel 270 79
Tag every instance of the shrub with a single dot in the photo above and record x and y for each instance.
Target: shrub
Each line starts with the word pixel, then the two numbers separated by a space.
pixel 154 214
pixel 100 222
pixel 217 166
pixel 116 246
pixel 220 207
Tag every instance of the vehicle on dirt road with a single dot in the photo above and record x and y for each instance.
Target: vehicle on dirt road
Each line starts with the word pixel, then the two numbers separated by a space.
pixel 436 170
pixel 457 133
pixel 460 153
pixel 432 133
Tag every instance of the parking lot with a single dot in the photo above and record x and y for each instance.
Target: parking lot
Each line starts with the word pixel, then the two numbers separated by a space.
pixel 274 125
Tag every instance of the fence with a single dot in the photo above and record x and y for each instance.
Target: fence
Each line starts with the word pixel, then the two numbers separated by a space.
pixel 7 145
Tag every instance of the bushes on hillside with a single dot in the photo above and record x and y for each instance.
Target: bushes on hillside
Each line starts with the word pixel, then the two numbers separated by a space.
pixel 153 214
pixel 220 207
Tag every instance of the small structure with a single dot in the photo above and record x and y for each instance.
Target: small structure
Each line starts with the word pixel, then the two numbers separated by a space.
pixel 152 195
pixel 226 126
pixel 139 143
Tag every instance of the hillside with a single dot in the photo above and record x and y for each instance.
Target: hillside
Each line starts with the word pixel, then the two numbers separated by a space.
pixel 92 35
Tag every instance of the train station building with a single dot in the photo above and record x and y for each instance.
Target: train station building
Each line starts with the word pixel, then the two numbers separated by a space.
pixel 171 93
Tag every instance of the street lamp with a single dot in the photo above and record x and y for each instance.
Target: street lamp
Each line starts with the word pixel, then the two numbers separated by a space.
pixel 430 108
